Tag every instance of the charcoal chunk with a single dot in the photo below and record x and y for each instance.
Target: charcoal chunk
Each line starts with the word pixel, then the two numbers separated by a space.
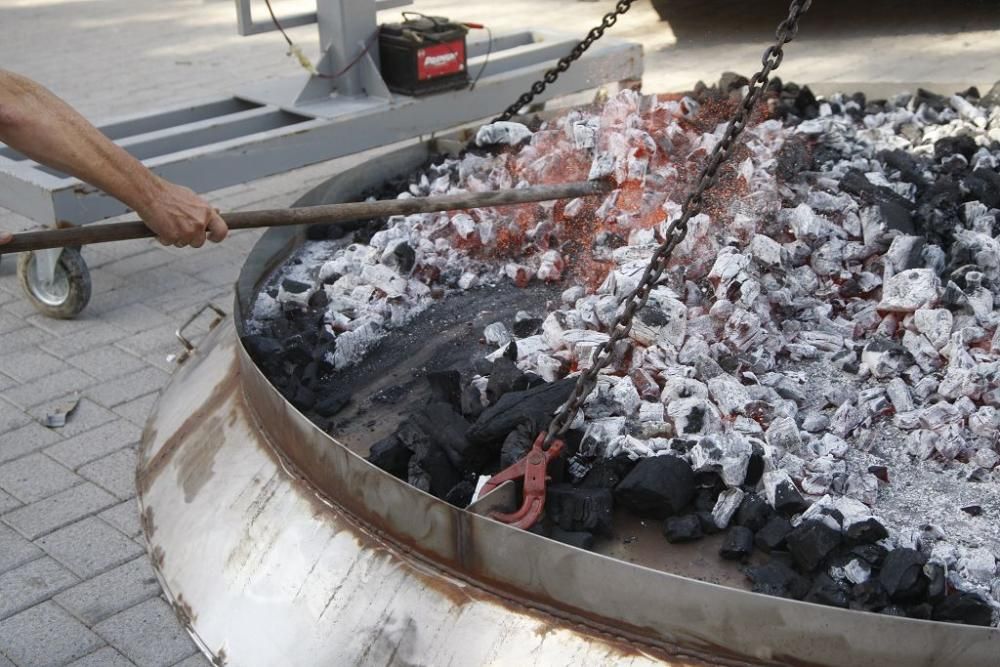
pixel 967 608
pixel 829 592
pixel 738 543
pixel 755 468
pixel 793 159
pixel 331 404
pixel 406 257
pixel 923 611
pixel 580 540
pixel 295 286
pixel 753 512
pixel 263 349
pixel 961 144
pixel 532 406
pixel 391 455
pixel 811 543
pixel 505 377
pixel 447 428
pixel 708 524
pixel 776 578
pixel 902 574
pixel 787 499
pixel 936 588
pixel 578 509
pixel 868 531
pixel 869 595
pixel 461 494
pixel 608 473
pixel 680 529
pixel 446 386
pixel 873 554
pixel 657 487
pixel 515 446
pixel 527 327
pixel 430 469
pixel 772 536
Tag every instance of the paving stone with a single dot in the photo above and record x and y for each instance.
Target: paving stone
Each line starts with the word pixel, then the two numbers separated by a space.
pixel 125 518
pixel 4 662
pixel 48 387
pixel 26 440
pixel 6 382
pixel 68 346
pixel 10 323
pixel 11 417
pixel 128 387
pixel 89 547
pixel 148 634
pixel 19 339
pixel 87 416
pixel 105 657
pixel 144 261
pixel 107 362
pixel 94 444
pixel 30 584
pixel 137 410
pixel 15 550
pixel 196 660
pixel 114 473
pixel 30 365
pixel 161 340
pixel 60 510
pixel 107 594
pixel 60 328
pixel 46 636
pixel 34 477
pixel 7 503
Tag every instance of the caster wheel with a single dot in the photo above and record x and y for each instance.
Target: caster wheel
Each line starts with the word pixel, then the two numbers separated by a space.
pixel 68 293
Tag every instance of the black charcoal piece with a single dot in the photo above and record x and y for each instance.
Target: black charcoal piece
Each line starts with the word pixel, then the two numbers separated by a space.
pixel 893 610
pixel 447 428
pixel 405 257
pixel 318 300
pixel 869 595
pixel 430 469
pixel 461 494
pixel 577 509
pixel 873 554
pixel 737 544
pixel 753 512
pixel 776 578
pixel 608 473
pixel 961 144
pixel 471 402
pixel 527 327
pixel 829 592
pixel 446 386
pixel 580 540
pixel 515 446
pixel 705 497
pixel 532 406
pixel 295 286
pixel 505 377
pixel 680 529
pixel 787 499
pixel 658 487
pixel 707 521
pixel 772 536
pixel 329 405
pixel 902 574
pixel 263 349
pixel 811 543
pixel 391 455
pixel 868 531
pixel 936 588
pixel 973 510
pixel 967 608
pixel 755 468
pixel 304 398
pixel 793 159
pixel 922 611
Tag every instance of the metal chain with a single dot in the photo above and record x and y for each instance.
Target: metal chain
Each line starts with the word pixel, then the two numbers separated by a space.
pixel 550 77
pixel 678 229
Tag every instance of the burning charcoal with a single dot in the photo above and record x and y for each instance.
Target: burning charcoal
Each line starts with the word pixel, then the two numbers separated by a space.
pixel 899 394
pixel 647 387
pixel 783 435
pixel 738 543
pixel 502 133
pixel 936 581
pixel 829 592
pixel 657 487
pixel 753 513
pixel 693 416
pixel 755 467
pixel 726 505
pixel 681 529
pixel 811 543
pixel 600 433
pixel 580 509
pixel 727 454
pixel 529 326
pixel 391 455
pixel 776 578
pixel 580 540
pixel 977 565
pixel 902 574
pixel 884 358
pixel 772 536
pixel 910 290
pixel 768 252
pixel 857 571
pixel 496 334
pixel 967 608
pixel 731 397
pixel 781 493
pixel 935 324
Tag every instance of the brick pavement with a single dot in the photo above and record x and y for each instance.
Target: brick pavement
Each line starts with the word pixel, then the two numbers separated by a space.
pixel 75 585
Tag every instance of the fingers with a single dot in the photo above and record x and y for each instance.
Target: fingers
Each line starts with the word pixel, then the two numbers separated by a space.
pixel 6 237
pixel 217 228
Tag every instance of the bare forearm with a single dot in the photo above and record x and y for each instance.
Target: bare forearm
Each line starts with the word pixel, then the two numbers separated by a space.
pixel 46 129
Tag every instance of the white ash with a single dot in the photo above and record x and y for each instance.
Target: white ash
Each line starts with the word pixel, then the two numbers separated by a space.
pixel 799 317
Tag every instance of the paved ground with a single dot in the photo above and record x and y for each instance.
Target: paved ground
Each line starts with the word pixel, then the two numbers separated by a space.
pixel 75 585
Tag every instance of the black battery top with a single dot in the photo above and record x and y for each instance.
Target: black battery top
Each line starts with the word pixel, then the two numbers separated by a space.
pixel 429 28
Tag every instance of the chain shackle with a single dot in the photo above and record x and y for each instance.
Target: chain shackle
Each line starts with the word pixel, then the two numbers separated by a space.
pixel 677 230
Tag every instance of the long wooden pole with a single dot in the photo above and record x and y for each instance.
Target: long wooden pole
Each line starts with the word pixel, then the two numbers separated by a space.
pixel 311 215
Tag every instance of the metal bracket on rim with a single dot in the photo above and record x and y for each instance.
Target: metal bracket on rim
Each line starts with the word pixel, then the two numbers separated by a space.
pixel 189 347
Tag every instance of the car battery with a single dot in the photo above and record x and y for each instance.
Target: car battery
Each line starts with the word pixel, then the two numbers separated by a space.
pixel 423 55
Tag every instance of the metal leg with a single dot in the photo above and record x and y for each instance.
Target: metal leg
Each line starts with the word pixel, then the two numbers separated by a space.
pixel 45 266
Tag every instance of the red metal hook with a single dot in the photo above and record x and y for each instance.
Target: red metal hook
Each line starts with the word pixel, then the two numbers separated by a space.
pixel 533 468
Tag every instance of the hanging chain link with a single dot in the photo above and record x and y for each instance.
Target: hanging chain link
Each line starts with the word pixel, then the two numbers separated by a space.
pixel 550 77
pixel 677 230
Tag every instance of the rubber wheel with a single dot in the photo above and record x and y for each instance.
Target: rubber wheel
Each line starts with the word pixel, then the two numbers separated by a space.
pixel 68 294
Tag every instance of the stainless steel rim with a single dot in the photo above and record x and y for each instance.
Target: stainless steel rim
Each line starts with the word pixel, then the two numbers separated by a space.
pixel 53 293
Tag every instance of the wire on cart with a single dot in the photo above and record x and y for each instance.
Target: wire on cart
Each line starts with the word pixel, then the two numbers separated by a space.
pixel 489 52
pixel 307 64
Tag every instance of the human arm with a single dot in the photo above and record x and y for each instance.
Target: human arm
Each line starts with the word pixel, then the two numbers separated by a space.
pixel 35 122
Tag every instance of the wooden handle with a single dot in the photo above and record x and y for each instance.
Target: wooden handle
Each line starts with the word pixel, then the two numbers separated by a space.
pixel 311 215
